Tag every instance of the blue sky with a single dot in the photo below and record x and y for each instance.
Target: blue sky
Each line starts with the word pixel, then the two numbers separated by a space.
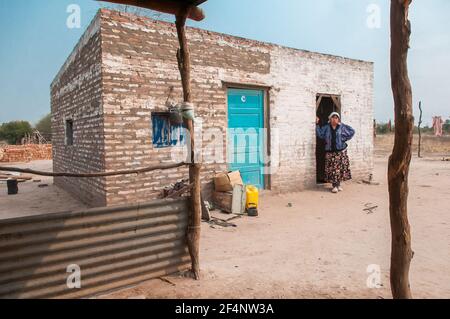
pixel 35 42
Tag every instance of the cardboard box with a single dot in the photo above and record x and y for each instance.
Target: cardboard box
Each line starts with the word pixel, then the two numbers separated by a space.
pixel 225 182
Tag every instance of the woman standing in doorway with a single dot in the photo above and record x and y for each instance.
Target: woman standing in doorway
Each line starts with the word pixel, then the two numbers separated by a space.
pixel 337 163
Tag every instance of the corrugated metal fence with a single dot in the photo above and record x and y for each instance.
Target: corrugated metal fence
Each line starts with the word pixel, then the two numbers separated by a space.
pixel 113 247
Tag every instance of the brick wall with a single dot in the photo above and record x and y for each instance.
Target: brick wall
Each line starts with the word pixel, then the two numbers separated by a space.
pixel 25 153
pixel 76 94
pixel 139 66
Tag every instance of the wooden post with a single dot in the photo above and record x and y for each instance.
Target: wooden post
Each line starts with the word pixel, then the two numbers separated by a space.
pixel 184 65
pixel 375 127
pixel 399 161
pixel 420 131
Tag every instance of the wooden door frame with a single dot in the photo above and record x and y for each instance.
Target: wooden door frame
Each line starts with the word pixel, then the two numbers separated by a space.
pixel 266 110
pixel 336 98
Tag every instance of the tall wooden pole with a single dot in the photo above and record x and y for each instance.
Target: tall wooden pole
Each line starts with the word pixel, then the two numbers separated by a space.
pixel 184 65
pixel 399 162
pixel 420 131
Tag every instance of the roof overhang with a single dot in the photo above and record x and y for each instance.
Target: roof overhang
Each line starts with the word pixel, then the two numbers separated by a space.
pixel 167 6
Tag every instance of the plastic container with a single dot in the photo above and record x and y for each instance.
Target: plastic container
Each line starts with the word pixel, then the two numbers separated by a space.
pixel 187 109
pixel 176 118
pixel 252 201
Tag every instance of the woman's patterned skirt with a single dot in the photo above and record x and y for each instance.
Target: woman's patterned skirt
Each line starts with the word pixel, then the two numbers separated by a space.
pixel 337 167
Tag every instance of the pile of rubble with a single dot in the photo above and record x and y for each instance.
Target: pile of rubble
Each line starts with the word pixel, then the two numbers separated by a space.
pixel 25 153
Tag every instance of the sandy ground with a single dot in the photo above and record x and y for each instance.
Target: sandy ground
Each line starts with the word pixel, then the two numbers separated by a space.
pixel 322 246
pixel 312 244
pixel 33 200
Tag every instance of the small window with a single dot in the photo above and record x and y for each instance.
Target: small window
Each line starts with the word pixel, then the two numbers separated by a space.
pixel 69 132
pixel 166 133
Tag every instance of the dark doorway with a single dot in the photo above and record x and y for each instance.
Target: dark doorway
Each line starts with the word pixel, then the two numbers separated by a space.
pixel 326 104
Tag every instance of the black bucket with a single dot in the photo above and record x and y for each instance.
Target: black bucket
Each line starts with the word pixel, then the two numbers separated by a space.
pixel 252 212
pixel 13 186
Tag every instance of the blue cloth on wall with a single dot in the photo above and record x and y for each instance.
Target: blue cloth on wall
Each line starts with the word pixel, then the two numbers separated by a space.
pixel 166 134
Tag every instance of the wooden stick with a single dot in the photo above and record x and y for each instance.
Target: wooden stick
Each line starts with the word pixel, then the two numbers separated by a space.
pixel 184 65
pixel 100 174
pixel 420 131
pixel 399 161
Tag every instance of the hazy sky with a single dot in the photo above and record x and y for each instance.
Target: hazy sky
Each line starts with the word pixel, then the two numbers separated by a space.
pixel 35 42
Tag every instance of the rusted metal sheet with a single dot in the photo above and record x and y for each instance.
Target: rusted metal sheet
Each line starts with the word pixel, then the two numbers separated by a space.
pixel 113 247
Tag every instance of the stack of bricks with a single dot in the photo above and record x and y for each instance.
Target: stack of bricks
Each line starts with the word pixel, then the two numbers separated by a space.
pixel 25 153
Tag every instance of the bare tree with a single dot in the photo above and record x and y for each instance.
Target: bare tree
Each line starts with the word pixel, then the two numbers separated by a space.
pixel 399 162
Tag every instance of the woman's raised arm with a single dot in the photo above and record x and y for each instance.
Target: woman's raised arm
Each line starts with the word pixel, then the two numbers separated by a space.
pixel 347 132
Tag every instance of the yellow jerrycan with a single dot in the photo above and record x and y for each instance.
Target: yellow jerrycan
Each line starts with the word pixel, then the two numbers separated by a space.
pixel 252 200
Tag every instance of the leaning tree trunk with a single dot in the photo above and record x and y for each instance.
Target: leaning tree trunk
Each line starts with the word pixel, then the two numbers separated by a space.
pixel 184 64
pixel 399 162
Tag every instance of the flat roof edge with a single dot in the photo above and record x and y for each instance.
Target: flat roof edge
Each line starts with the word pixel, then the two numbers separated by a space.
pixel 91 30
pixel 200 30
pixel 94 27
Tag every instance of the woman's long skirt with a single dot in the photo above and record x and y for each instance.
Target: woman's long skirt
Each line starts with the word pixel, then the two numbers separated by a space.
pixel 337 167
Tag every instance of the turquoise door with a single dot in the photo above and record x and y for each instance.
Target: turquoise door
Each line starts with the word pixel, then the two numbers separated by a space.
pixel 246 135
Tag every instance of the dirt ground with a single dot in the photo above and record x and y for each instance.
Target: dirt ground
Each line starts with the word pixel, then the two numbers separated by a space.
pixel 34 200
pixel 322 246
pixel 312 244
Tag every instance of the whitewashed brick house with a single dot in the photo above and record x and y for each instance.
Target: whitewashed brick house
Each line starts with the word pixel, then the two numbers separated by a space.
pixel 109 107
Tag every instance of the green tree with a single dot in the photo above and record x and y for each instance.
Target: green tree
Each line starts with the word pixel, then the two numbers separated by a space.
pixel 14 131
pixel 44 126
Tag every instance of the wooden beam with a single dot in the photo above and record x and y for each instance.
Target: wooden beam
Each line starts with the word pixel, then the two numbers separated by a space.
pixel 184 65
pixel 87 175
pixel 319 100
pixel 184 10
pixel 165 6
pixel 337 102
pixel 399 161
